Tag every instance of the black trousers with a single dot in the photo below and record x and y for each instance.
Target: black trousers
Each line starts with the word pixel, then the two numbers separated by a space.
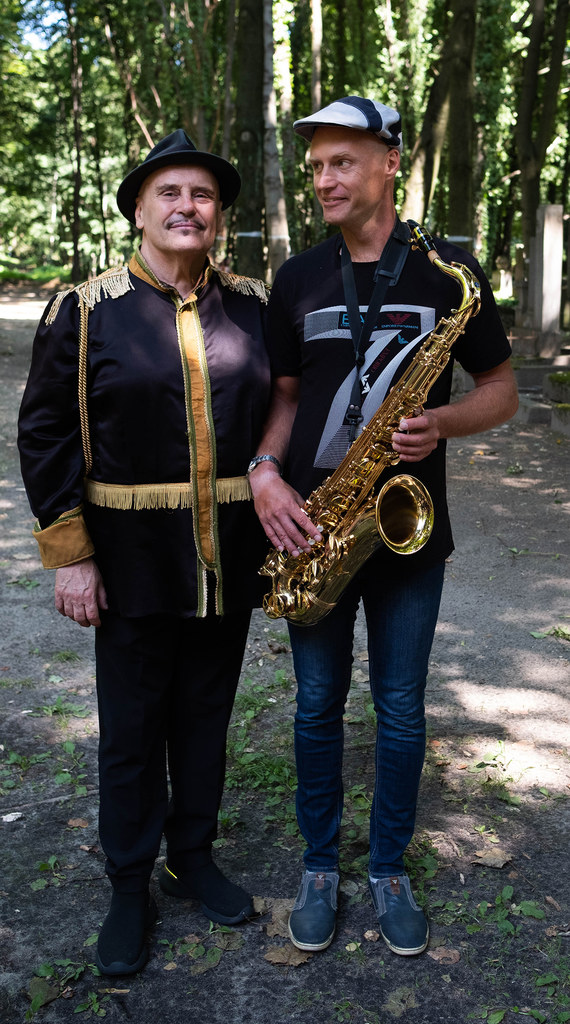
pixel 165 688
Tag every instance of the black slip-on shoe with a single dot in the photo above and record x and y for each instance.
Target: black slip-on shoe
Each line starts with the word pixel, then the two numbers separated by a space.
pixel 121 946
pixel 220 900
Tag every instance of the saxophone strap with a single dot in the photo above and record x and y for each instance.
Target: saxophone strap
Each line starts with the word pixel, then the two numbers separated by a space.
pixel 387 272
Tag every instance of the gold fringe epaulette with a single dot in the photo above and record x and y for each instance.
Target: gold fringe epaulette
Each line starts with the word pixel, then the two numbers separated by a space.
pixel 111 284
pixel 244 285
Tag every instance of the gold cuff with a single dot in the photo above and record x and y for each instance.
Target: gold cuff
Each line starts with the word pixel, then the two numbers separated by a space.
pixel 64 542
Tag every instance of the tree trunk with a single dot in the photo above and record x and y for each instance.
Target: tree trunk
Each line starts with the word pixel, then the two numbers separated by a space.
pixel 249 138
pixel 228 78
pixel 105 255
pixel 460 128
pixel 316 53
pixel 447 112
pixel 426 153
pixel 538 107
pixel 275 212
pixel 76 81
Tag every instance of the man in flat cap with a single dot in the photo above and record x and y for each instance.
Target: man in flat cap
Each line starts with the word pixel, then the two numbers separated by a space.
pixel 145 400
pixel 345 320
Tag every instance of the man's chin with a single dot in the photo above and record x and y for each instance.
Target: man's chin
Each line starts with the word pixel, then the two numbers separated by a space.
pixel 333 214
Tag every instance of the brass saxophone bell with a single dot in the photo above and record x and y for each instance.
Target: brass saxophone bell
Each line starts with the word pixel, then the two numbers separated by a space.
pixel 404 514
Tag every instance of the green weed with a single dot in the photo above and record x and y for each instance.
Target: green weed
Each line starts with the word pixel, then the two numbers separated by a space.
pixel 8 684
pixel 51 979
pixel 51 874
pixel 70 768
pixel 92 1005
pixel 63 708
pixel 66 656
pixel 501 912
pixel 25 582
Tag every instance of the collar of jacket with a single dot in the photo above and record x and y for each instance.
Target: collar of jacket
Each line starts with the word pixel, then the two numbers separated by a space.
pixel 140 268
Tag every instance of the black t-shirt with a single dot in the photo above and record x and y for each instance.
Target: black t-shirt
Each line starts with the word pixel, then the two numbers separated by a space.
pixel 309 337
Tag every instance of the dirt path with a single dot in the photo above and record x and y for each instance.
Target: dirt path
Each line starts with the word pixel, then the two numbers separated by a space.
pixel 490 859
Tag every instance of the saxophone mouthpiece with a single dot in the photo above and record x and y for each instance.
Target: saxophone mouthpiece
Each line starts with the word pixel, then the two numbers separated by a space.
pixel 423 239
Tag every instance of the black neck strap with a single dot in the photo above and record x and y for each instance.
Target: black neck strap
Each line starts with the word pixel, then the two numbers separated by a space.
pixel 387 272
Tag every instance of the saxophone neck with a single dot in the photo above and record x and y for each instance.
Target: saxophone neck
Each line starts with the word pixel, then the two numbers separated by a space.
pixel 470 287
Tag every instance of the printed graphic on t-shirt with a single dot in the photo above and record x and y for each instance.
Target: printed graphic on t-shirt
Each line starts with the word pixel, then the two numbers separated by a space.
pixel 398 330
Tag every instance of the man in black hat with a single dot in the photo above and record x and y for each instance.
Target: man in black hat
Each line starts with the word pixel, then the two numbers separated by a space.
pixel 345 319
pixel 146 397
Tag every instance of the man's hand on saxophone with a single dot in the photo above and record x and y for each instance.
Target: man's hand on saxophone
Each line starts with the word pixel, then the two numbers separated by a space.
pixel 417 437
pixel 281 513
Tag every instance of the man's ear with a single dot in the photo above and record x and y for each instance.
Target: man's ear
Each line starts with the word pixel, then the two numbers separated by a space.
pixel 393 161
pixel 138 213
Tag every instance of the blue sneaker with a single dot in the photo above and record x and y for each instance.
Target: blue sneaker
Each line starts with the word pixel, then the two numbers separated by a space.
pixel 402 924
pixel 312 920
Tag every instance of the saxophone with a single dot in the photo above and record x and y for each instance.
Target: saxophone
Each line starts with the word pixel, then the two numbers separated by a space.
pixel 353 520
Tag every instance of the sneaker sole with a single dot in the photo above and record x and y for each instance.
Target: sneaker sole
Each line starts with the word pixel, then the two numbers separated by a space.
pixel 403 951
pixel 312 947
pixel 118 967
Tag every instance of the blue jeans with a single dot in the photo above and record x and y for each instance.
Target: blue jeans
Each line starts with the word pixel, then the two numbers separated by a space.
pixel 401 617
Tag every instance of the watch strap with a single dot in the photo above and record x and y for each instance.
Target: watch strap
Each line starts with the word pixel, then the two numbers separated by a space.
pixel 263 458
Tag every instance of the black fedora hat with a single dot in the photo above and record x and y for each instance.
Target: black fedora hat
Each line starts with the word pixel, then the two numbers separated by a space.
pixel 177 148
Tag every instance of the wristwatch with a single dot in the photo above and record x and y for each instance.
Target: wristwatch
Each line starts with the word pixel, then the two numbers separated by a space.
pixel 263 458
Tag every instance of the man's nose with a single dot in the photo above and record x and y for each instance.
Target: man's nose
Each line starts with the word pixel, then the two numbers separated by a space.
pixel 326 178
pixel 186 202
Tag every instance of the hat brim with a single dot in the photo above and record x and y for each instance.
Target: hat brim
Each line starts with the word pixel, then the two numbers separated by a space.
pixel 229 181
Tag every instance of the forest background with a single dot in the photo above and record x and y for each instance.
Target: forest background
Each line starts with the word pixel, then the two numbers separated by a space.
pixel 88 86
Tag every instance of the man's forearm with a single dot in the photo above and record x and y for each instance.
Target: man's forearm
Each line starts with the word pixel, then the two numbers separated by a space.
pixel 279 422
pixel 493 400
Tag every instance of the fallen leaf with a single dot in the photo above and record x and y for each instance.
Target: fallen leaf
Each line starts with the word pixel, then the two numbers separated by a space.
pixel 349 888
pixel 352 947
pixel 280 910
pixel 41 992
pixel 78 823
pixel 444 955
pixel 400 1000
pixel 170 966
pixel 68 993
pixel 277 647
pixel 371 935
pixel 89 849
pixel 552 902
pixel 229 940
pixel 288 955
pixel 495 858
pixel 113 991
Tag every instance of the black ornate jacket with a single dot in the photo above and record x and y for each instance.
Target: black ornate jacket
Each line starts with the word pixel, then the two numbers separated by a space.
pixel 138 421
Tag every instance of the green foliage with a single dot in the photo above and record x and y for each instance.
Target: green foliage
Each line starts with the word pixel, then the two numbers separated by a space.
pixel 147 68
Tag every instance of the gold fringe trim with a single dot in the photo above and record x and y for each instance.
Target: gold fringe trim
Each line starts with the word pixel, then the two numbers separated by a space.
pixel 111 284
pixel 152 496
pixel 244 285
pixel 54 310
